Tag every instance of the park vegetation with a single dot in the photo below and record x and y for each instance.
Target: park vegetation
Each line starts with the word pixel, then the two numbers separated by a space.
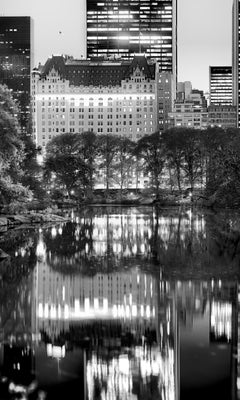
pixel 202 165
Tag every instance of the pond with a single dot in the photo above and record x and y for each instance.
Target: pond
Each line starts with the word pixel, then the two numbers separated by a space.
pixel 122 303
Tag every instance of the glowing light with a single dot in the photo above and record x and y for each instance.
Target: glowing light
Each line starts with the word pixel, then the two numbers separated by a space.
pixel 40 310
pixel 54 232
pixel 66 311
pixel 56 351
pixel 134 310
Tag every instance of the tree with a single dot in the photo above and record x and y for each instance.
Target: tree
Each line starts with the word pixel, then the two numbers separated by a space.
pixel 108 148
pixel 64 161
pixel 214 142
pixel 88 150
pixel 151 150
pixel 11 153
pixel 190 145
pixel 124 162
pixel 11 149
pixel 31 170
pixel 173 142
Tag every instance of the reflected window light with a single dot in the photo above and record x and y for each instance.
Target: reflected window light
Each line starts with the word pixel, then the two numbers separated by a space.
pixel 86 304
pixel 46 311
pixel 148 313
pixel 56 351
pixel 54 232
pixel 134 310
pixel 134 249
pixel 66 311
pixel 127 311
pixel 41 249
pixel 115 311
pixel 124 365
pixel 53 312
pixel 142 248
pixel 168 328
pixel 105 305
pixel 63 293
pixel 40 310
pixel 59 311
pixel 77 305
pixel 96 303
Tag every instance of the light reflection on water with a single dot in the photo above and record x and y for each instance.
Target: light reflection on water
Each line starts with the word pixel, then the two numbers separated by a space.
pixel 126 305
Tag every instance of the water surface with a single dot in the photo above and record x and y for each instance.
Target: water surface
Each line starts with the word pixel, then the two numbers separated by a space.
pixel 121 303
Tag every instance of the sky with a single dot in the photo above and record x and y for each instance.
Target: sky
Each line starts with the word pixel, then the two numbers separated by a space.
pixel 204 32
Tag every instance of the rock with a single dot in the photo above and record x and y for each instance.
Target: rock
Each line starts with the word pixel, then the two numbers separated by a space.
pixel 3 221
pixel 3 254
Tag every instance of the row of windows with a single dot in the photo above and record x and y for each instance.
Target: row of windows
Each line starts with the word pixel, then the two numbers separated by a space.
pixel 99 116
pixel 72 123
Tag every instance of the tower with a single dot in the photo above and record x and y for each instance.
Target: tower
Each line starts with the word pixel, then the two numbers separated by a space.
pixel 125 28
pixel 15 62
pixel 235 56
pixel 220 80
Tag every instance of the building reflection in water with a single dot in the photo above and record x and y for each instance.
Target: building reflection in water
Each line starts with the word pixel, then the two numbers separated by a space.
pixel 128 333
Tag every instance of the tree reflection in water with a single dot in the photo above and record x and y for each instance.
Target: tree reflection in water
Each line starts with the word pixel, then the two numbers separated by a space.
pixel 113 302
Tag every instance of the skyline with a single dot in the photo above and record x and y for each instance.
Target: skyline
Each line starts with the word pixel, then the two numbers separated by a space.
pixel 199 45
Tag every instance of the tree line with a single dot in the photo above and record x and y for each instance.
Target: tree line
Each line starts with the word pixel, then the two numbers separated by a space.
pixel 177 160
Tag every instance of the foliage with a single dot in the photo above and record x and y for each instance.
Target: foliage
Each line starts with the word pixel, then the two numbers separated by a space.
pixel 124 162
pixel 88 150
pixel 108 148
pixel 174 145
pixel 13 194
pixel 11 149
pixel 65 162
pixel 151 150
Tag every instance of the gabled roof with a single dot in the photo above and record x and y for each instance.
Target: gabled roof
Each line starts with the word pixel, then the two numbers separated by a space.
pixel 97 73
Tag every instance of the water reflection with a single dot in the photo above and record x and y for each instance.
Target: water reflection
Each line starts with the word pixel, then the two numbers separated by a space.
pixel 122 306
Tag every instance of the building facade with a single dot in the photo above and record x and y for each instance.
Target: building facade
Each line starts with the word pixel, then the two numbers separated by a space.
pixel 123 29
pixel 220 88
pixel 165 98
pixel 183 90
pixel 102 97
pixel 15 62
pixel 222 116
pixel 189 114
pixel 235 56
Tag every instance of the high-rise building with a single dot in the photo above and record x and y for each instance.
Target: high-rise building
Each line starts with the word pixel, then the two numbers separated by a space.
pixel 220 85
pixel 125 28
pixel 235 56
pixel 165 100
pixel 183 90
pixel 15 61
pixel 103 97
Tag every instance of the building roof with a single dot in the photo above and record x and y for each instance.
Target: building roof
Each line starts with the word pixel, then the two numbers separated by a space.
pixel 97 72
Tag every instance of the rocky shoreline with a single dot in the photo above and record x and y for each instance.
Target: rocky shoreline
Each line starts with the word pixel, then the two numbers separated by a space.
pixel 32 218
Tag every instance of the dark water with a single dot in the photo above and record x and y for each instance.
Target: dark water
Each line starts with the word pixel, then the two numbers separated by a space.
pixel 122 304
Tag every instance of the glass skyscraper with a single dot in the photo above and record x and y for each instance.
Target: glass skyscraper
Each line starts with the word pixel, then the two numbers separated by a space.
pixel 15 61
pixel 235 56
pixel 220 78
pixel 124 28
